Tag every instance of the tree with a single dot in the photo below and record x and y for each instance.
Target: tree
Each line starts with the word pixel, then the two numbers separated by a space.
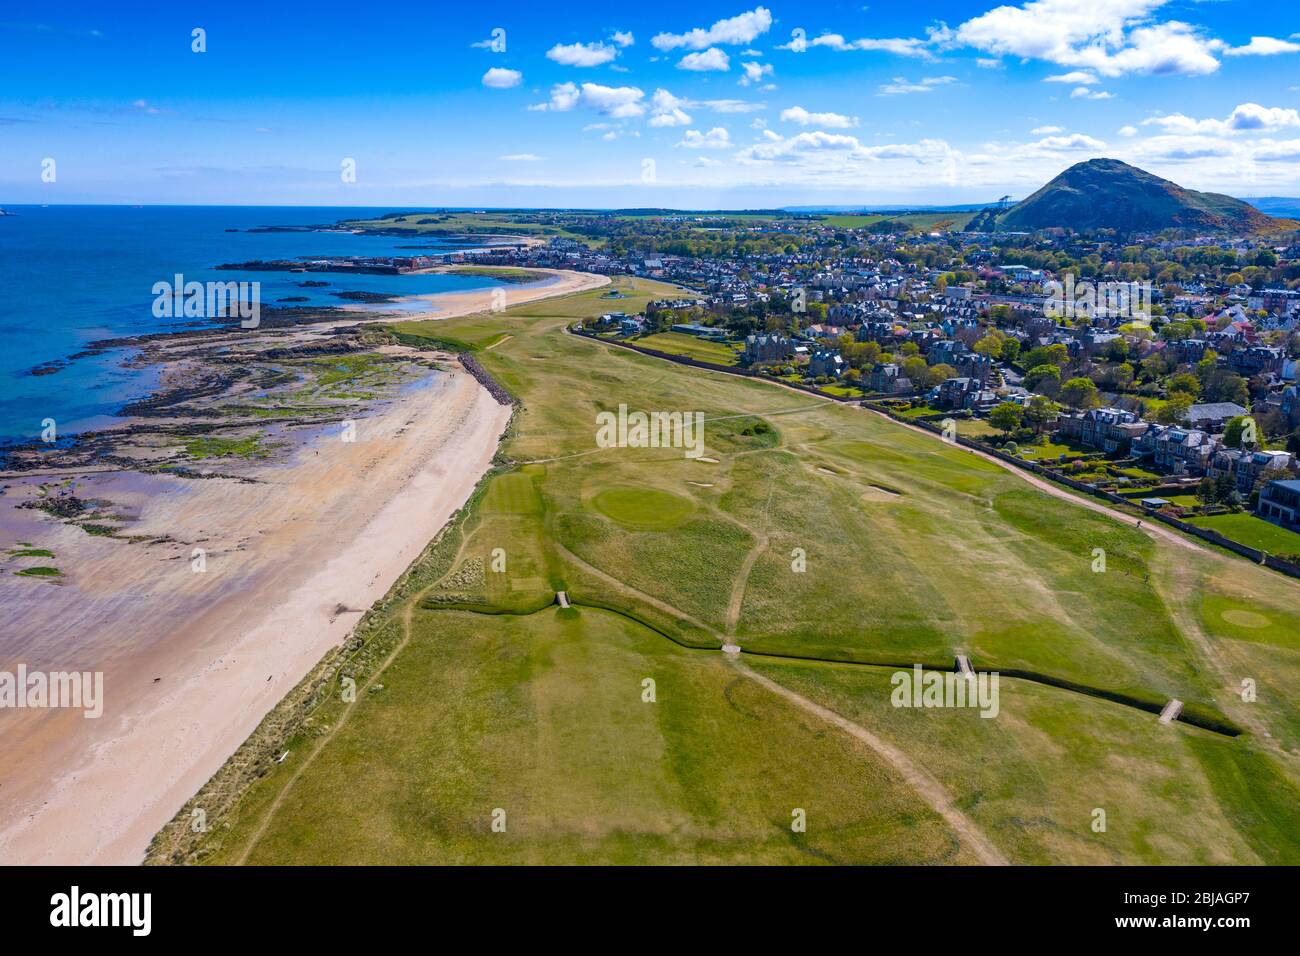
pixel 1079 393
pixel 1040 412
pixel 1043 375
pixel 1119 376
pixel 938 374
pixel 1006 417
pixel 1184 382
pixel 1175 410
pixel 1010 350
pixel 1235 432
pixel 991 344
pixel 1205 492
pixel 916 369
pixel 1055 354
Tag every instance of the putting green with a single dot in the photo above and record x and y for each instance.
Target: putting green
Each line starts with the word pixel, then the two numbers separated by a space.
pixel 1245 618
pixel 645 509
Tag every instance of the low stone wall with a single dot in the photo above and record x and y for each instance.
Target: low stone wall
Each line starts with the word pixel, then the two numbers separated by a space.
pixel 495 388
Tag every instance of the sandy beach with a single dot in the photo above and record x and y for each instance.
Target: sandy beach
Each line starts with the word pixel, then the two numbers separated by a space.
pixel 295 549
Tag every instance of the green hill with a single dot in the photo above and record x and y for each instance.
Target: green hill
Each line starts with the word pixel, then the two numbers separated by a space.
pixel 1109 194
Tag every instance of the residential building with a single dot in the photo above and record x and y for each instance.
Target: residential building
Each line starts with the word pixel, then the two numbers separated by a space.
pixel 1255 360
pixel 1291 405
pixel 976 366
pixel 1176 450
pixel 826 362
pixel 889 379
pixel 1111 430
pixel 1213 416
pixel 954 391
pixel 769 347
pixel 1279 502
pixel 1245 467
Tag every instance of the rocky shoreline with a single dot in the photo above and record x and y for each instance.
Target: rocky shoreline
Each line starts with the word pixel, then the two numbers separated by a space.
pixel 215 381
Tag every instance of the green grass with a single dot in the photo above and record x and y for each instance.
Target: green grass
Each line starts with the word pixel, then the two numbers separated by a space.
pixel 466 223
pixel 847 221
pixel 99 530
pixel 1252 531
pixel 39 572
pixel 692 346
pixel 504 273
pixel 1050 451
pixel 912 550
pixel 30 553
pixel 978 428
pixel 214 446
pixel 643 508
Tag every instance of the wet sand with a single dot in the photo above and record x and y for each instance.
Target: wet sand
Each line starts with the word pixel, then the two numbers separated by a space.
pixel 193 660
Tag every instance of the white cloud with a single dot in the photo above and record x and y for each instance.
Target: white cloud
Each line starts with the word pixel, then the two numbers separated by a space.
pixel 730 106
pixel 987 63
pixel 581 54
pixel 799 115
pixel 1072 142
pixel 900 46
pixel 1107 38
pixel 1247 117
pixel 1083 93
pixel 499 78
pixel 668 110
pixel 1047 130
pixel 522 158
pixel 1263 46
pixel 1075 78
pixel 1110 37
pixel 754 72
pixel 900 85
pixel 620 102
pixel 716 138
pixel 1128 131
pixel 710 59
pixel 622 38
pixel 706 161
pixel 836 151
pixel 737 30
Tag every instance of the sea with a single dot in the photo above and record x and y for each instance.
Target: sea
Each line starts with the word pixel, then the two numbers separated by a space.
pixel 72 275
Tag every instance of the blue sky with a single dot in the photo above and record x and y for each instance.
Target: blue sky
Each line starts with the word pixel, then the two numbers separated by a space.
pixel 692 105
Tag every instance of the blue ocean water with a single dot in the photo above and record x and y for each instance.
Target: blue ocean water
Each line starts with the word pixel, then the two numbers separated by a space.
pixel 70 275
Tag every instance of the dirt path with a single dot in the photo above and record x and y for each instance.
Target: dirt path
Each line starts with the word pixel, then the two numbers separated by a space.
pixel 925 785
pixel 742 575
pixel 628 589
